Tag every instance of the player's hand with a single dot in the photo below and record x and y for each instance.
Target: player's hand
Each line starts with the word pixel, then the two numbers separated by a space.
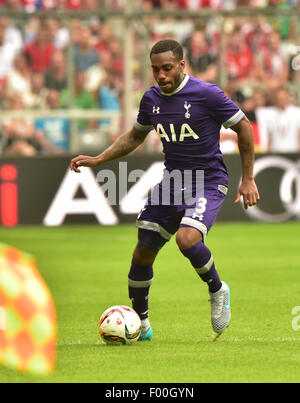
pixel 83 161
pixel 248 190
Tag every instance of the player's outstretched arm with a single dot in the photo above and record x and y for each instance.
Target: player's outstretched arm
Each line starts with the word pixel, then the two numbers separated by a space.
pixel 247 189
pixel 124 145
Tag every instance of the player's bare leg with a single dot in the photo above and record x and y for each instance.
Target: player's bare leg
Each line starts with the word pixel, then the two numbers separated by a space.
pixel 190 242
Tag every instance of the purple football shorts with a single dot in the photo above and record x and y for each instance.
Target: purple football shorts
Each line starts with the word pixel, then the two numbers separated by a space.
pixel 199 211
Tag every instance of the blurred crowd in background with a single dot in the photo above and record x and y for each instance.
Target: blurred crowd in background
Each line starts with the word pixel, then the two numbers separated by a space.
pixel 33 5
pixel 261 68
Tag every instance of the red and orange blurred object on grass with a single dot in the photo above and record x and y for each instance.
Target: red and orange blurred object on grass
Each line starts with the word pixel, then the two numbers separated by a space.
pixel 28 323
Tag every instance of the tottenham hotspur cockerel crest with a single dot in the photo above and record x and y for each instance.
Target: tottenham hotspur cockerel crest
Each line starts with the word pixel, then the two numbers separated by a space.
pixel 187 107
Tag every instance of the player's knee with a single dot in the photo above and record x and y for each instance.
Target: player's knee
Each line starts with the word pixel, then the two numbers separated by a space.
pixel 144 256
pixel 187 237
pixel 150 240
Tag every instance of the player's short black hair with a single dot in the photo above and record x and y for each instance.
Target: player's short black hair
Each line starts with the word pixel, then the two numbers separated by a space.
pixel 167 45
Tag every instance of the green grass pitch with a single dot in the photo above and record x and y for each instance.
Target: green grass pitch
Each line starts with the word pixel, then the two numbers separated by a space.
pixel 86 269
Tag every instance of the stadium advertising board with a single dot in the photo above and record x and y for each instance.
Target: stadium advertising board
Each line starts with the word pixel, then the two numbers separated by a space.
pixel 43 191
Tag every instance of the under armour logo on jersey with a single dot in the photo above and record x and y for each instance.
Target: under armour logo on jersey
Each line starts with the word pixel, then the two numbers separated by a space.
pixel 156 109
pixel 187 107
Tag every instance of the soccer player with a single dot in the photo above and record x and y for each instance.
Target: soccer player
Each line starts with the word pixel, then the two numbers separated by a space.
pixel 187 114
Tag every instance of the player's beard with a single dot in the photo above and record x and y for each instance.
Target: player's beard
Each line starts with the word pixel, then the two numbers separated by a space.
pixel 176 83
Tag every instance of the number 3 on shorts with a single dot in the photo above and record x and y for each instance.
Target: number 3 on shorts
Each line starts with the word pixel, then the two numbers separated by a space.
pixel 201 208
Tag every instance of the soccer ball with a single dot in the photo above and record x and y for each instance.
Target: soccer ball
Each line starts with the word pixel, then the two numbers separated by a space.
pixel 120 325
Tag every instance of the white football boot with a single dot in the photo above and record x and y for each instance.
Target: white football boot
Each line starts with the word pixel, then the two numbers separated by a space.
pixel 220 310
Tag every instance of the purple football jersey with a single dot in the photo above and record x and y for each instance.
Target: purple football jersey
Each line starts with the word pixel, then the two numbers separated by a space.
pixel 189 122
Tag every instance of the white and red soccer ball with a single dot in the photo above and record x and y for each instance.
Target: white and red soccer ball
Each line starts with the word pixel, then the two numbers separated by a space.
pixel 120 324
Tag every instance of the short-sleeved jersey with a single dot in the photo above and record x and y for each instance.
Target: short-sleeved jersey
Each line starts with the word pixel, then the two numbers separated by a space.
pixel 189 121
